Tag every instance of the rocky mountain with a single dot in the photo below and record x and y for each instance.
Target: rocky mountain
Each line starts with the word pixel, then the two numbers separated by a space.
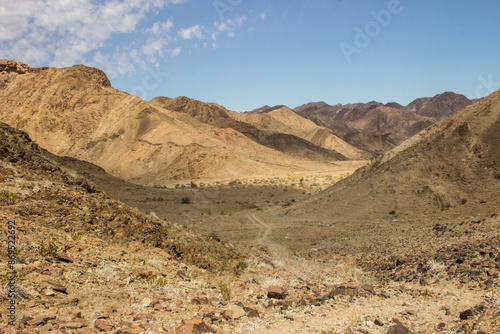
pixel 218 116
pixel 451 168
pixel 376 127
pixel 439 106
pixel 75 112
pixel 285 120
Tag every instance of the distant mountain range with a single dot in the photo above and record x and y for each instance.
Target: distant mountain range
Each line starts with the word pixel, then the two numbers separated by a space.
pixel 375 127
pixel 75 112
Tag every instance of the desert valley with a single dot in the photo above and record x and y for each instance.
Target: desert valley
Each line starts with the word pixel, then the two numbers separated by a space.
pixel 180 216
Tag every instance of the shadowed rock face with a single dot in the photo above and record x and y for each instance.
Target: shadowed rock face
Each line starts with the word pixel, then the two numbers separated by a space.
pixel 10 66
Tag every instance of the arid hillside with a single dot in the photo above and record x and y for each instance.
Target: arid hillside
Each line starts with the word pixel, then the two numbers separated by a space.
pixel 75 112
pixel 285 120
pixel 450 169
pixel 283 141
pixel 376 127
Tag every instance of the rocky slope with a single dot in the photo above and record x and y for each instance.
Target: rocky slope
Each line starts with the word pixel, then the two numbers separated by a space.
pixel 218 116
pixel 450 169
pixel 376 127
pixel 75 112
pixel 285 120
pixel 89 264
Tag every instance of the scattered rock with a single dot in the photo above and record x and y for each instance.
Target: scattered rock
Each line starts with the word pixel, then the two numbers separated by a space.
pixel 63 257
pixel 147 302
pixel 468 314
pixel 398 329
pixel 103 325
pixel 276 292
pixel 194 326
pixel 234 312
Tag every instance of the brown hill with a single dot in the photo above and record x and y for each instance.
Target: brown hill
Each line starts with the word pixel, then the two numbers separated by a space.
pixel 285 120
pixel 218 116
pixel 67 198
pixel 439 106
pixel 375 127
pixel 451 168
pixel 75 112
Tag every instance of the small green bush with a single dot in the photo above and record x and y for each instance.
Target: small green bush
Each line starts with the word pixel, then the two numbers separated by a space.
pixel 76 235
pixel 10 197
pixel 225 290
pixel 50 249
pixel 240 267
pixel 186 200
pixel 160 281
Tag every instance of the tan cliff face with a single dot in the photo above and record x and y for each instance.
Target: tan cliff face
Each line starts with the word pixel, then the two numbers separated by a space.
pixel 75 112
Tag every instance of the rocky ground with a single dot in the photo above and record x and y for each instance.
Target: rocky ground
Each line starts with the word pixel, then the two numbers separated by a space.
pixel 87 263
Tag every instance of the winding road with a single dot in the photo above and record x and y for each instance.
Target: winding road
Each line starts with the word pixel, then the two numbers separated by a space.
pixel 276 251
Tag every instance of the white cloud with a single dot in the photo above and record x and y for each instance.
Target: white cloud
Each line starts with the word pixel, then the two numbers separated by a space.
pixel 175 52
pixel 191 32
pixel 64 32
pixel 220 26
pixel 263 15
pixel 229 26
pixel 161 27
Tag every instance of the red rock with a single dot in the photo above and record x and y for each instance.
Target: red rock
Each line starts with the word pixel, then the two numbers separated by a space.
pixel 86 331
pixel 103 325
pixel 253 314
pixel 398 329
pixel 138 327
pixel 200 300
pixel 194 326
pixel 142 316
pixel 24 320
pixel 72 325
pixel 276 292
pixel 35 322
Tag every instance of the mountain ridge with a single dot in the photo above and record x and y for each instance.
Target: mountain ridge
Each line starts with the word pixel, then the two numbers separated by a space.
pixel 75 112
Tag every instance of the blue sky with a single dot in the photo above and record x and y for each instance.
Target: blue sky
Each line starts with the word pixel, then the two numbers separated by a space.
pixel 244 54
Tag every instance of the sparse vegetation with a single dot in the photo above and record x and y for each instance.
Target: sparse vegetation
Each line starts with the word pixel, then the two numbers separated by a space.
pixel 76 235
pixel 50 249
pixel 436 266
pixel 8 196
pixel 214 236
pixel 240 267
pixel 158 282
pixel 10 276
pixel 225 290
pixel 186 200
pixel 234 183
